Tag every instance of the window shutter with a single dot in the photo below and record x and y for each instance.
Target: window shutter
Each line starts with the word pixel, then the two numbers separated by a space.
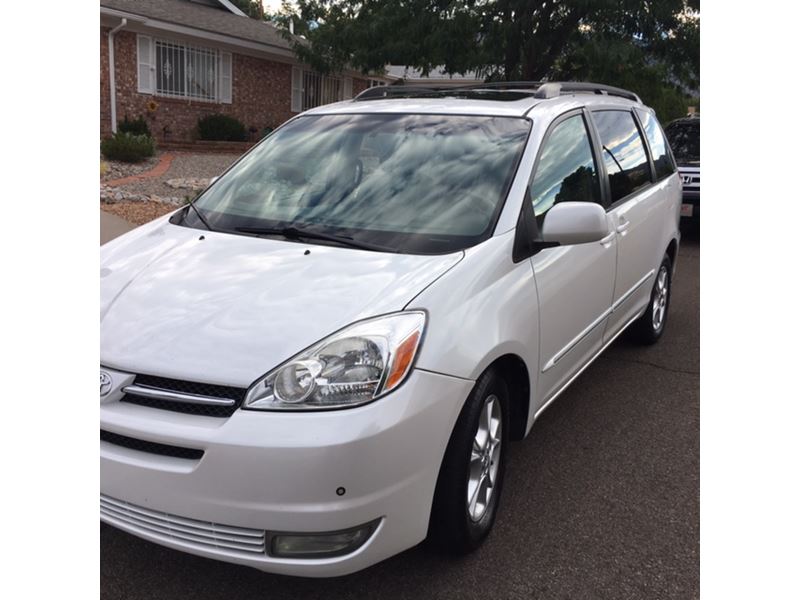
pixel 226 78
pixel 297 89
pixel 348 88
pixel 146 58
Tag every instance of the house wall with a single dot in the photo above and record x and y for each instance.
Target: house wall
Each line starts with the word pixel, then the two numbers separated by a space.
pixel 359 85
pixel 261 91
pixel 105 97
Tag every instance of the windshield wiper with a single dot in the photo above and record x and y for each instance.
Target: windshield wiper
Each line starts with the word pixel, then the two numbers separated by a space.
pixel 295 233
pixel 199 214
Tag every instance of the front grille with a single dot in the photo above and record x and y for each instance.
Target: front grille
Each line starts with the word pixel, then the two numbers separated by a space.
pixel 191 387
pixel 150 447
pixel 690 178
pixel 187 387
pixel 187 532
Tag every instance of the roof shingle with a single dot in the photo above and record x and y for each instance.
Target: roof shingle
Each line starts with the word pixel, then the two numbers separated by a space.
pixel 206 18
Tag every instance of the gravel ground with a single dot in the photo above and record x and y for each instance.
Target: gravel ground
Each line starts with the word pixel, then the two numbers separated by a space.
pixel 112 169
pixel 184 165
pixel 601 501
pixel 138 213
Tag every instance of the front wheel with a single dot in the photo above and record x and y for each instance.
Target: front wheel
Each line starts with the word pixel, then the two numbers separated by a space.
pixel 471 477
pixel 650 326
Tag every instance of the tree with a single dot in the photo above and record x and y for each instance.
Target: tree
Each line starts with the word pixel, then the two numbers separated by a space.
pixel 252 8
pixel 652 46
pixel 285 15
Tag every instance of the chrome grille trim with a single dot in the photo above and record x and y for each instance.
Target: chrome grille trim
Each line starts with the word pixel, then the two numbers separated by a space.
pixel 202 534
pixel 161 394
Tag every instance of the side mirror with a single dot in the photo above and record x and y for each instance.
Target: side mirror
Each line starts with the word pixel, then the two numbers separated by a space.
pixel 570 223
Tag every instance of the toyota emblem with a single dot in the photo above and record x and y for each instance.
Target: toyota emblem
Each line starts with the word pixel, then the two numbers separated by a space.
pixel 105 383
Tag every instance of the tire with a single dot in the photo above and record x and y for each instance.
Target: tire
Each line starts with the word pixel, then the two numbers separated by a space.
pixel 649 328
pixel 458 526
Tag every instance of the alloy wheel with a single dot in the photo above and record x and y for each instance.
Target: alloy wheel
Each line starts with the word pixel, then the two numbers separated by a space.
pixel 485 458
pixel 660 298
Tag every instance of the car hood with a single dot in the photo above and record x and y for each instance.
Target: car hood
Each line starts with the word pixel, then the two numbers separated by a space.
pixel 225 309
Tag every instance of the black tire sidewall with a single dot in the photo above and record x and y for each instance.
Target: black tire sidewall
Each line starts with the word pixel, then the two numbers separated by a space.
pixel 644 330
pixel 451 525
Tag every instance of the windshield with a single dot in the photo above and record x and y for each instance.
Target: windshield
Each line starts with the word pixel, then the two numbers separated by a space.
pixel 414 183
pixel 684 139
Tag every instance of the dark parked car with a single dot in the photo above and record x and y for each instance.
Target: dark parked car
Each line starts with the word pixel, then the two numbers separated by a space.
pixel 684 138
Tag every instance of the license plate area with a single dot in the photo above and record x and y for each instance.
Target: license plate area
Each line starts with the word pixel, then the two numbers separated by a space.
pixel 687 210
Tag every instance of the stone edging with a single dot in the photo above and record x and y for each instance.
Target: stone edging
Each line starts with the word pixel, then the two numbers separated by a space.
pixel 162 167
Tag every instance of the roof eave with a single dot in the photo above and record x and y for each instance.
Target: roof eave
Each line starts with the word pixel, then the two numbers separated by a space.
pixel 197 32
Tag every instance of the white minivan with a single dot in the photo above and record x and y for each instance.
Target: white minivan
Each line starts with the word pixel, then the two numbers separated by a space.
pixel 321 361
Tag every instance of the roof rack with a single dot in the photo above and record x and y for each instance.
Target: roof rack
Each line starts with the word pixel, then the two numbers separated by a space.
pixel 538 89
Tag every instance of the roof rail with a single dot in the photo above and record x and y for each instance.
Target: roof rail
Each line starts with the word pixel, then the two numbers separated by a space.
pixel 598 88
pixel 399 91
pixel 539 89
pixel 548 90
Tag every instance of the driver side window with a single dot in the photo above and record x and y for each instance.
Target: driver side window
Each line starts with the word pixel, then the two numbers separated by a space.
pixel 566 170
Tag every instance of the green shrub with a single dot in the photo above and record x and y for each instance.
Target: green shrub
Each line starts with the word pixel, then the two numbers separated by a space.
pixel 221 128
pixel 136 127
pixel 128 147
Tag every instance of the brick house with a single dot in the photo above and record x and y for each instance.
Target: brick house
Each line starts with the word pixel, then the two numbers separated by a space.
pixel 175 61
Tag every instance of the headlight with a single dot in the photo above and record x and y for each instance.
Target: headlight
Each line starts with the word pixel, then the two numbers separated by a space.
pixel 351 367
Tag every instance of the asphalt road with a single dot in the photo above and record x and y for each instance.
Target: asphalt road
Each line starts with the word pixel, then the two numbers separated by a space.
pixel 600 501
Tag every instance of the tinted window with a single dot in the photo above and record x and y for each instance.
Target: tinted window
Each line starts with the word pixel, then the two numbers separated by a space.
pixel 623 152
pixel 566 169
pixel 415 183
pixel 684 138
pixel 658 145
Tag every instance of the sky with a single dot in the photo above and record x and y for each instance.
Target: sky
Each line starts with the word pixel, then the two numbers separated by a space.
pixel 271 5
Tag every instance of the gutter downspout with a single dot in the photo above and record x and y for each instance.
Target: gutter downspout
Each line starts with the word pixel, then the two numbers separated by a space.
pixel 111 80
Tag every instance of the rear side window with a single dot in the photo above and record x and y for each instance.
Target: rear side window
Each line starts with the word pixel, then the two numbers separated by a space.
pixel 566 171
pixel 658 145
pixel 623 152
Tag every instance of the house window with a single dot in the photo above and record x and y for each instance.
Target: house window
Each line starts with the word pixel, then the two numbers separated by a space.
pixel 320 89
pixel 310 89
pixel 181 70
pixel 376 83
pixel 186 71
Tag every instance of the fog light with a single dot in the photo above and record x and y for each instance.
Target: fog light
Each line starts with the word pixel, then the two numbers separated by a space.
pixel 321 545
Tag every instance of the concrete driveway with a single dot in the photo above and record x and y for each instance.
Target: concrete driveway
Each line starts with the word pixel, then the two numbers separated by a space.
pixel 600 501
pixel 112 226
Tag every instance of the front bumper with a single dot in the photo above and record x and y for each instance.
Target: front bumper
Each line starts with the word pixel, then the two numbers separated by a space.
pixel 280 472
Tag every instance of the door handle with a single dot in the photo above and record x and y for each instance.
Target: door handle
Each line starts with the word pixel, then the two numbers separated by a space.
pixel 608 239
pixel 623 226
